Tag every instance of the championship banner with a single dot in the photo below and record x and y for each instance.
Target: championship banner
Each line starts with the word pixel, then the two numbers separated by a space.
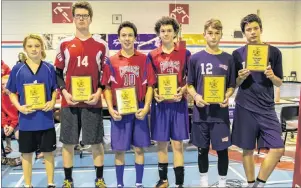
pixel 150 41
pixel 194 39
pixel 297 170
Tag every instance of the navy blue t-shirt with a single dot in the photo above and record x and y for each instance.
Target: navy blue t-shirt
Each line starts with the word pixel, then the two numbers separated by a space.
pixel 256 93
pixel 22 74
pixel 200 64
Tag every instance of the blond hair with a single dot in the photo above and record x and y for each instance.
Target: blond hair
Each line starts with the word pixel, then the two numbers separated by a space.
pixel 37 37
pixel 214 23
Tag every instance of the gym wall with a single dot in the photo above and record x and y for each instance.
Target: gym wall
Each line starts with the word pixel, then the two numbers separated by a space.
pixel 281 23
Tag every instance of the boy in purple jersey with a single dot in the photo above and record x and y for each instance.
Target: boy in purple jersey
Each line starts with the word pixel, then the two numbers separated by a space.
pixel 169 119
pixel 255 117
pixel 211 121
pixel 129 68
pixel 36 127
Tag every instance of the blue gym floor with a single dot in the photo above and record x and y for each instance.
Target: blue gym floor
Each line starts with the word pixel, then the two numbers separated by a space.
pixel 84 173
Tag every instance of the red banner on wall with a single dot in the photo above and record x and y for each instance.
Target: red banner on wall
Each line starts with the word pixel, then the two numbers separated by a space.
pixel 180 12
pixel 297 170
pixel 62 12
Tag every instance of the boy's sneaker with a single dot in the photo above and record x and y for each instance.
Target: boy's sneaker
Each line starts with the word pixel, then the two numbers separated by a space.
pixel 100 183
pixel 162 183
pixel 68 184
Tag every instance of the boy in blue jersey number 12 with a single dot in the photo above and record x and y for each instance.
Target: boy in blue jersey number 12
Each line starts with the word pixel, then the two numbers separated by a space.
pixel 211 121
pixel 36 126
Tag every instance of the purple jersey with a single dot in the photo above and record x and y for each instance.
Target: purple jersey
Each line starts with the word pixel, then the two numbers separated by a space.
pixel 256 93
pixel 200 64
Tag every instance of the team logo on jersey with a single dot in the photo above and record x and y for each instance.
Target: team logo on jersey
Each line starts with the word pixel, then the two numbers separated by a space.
pixel 225 67
pixel 226 139
pixel 170 64
pixel 129 69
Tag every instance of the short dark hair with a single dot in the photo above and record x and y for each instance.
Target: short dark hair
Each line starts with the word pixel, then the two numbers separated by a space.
pixel 127 24
pixel 165 20
pixel 84 5
pixel 248 19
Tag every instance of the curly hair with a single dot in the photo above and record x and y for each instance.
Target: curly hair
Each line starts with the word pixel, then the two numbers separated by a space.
pixel 165 20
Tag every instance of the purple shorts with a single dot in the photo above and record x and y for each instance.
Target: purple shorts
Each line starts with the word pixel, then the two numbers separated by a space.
pixel 249 127
pixel 129 131
pixel 169 121
pixel 204 132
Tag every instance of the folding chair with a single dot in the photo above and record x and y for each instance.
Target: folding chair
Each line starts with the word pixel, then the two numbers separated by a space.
pixel 289 119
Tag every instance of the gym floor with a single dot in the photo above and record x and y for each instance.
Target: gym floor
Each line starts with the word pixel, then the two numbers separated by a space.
pixel 84 173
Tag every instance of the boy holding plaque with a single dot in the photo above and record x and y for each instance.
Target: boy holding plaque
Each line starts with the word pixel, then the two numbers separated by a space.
pixel 255 118
pixel 35 83
pixel 169 110
pixel 211 82
pixel 129 78
pixel 81 57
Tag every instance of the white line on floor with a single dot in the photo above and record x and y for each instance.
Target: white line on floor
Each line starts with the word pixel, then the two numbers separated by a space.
pixel 20 181
pixel 237 173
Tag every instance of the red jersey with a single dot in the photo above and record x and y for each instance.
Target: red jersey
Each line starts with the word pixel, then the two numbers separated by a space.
pixel 9 113
pixel 82 58
pixel 175 62
pixel 5 70
pixel 120 72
